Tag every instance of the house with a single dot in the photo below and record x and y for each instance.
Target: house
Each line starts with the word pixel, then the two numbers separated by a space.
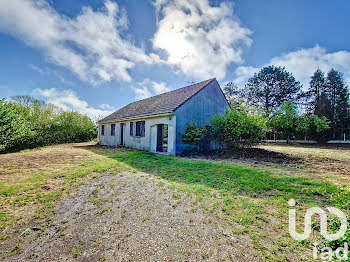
pixel 157 123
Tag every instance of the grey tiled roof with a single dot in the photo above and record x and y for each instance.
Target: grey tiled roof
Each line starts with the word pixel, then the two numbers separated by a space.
pixel 163 103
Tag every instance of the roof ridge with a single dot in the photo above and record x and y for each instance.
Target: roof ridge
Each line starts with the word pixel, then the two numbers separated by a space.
pixel 210 80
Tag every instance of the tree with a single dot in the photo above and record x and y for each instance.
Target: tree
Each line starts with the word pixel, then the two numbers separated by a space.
pixel 339 100
pixel 342 112
pixel 316 89
pixel 23 100
pixel 27 123
pixel 233 93
pixel 287 120
pixel 14 128
pixel 323 106
pixel 272 86
pixel 311 125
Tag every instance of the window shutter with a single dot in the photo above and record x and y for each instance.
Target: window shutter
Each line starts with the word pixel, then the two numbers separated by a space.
pixel 131 128
pixel 137 128
pixel 142 128
pixel 112 129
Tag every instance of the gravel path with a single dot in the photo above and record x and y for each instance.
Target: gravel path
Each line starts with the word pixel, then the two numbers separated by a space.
pixel 133 217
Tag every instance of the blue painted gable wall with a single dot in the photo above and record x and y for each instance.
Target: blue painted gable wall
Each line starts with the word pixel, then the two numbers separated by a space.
pixel 199 109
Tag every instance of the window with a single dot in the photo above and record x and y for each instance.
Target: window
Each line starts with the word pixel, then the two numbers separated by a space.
pixel 112 129
pixel 140 128
pixel 131 128
pixel 103 130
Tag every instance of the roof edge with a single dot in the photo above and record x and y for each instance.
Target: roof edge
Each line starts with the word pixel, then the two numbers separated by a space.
pixel 135 117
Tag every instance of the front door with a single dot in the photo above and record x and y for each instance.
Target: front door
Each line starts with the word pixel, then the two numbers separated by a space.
pixel 160 138
pixel 121 134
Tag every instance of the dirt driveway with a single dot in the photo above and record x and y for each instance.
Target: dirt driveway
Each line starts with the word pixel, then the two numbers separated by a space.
pixel 132 217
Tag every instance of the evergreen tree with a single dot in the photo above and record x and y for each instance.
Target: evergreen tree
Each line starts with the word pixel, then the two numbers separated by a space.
pixel 339 101
pixel 342 112
pixel 323 106
pixel 316 89
pixel 272 86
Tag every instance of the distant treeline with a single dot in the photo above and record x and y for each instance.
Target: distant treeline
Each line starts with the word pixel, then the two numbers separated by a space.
pixel 26 122
pixel 272 88
pixel 273 104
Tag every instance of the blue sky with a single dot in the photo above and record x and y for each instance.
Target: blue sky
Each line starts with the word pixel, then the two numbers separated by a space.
pixel 96 56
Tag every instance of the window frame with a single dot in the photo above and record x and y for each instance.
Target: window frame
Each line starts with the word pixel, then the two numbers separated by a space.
pixel 140 128
pixel 112 129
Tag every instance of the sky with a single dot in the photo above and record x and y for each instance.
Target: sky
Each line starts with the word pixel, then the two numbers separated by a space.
pixel 96 56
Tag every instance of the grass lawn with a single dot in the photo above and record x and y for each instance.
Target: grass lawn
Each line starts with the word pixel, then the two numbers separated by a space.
pixel 250 194
pixel 254 199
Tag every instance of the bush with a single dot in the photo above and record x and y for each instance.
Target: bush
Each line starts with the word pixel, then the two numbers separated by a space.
pixel 14 127
pixel 238 127
pixel 287 121
pixel 36 123
pixel 199 137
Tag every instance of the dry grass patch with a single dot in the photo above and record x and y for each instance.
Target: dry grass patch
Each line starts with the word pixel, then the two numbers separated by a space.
pixel 32 181
pixel 328 163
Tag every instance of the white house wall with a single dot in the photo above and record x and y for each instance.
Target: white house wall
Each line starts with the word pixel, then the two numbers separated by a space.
pixel 148 142
pixel 107 139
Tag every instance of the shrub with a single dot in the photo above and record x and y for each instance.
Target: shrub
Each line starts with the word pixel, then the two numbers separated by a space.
pixel 14 127
pixel 238 127
pixel 35 123
pixel 287 121
pixel 199 137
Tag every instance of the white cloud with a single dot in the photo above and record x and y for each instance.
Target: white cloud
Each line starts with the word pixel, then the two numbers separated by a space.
pixel 107 107
pixel 202 40
pixel 302 64
pixel 159 88
pixel 90 45
pixel 148 88
pixel 243 73
pixel 141 92
pixel 68 100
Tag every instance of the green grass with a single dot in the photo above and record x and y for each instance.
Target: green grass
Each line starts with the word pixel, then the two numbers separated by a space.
pixel 253 200
pixel 243 195
pixel 225 177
